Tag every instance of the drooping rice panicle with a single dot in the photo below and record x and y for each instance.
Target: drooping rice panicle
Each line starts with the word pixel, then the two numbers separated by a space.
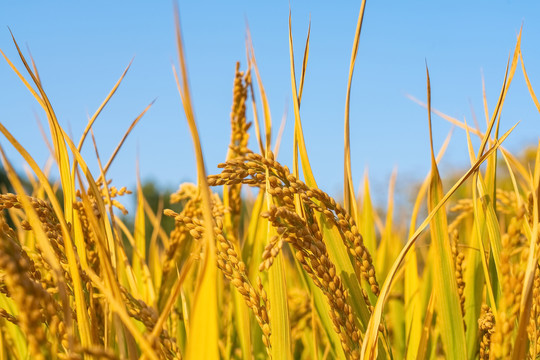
pixel 251 170
pixel 311 253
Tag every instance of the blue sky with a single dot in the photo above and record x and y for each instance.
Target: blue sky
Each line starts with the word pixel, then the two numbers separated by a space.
pixel 81 49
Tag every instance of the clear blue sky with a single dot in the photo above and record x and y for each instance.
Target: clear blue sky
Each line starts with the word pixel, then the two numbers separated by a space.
pixel 82 48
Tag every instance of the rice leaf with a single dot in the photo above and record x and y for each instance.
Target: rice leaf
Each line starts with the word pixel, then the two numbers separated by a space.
pixel 348 186
pixel 203 334
pixel 445 284
pixel 387 245
pixel 139 249
pixel 526 303
pixel 528 82
pixel 279 311
pixel 367 219
pixel 426 329
pixel 101 107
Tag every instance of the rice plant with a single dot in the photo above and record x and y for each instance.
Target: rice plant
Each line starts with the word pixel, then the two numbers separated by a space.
pixel 287 273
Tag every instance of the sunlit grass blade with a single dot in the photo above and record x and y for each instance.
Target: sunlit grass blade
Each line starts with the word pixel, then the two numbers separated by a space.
pixel 254 239
pixel 426 331
pixel 496 112
pixel 348 186
pixel 281 130
pixel 123 267
pixel 61 153
pixel 486 224
pixel 526 302
pixel 249 53
pixel 266 107
pixel 445 284
pixel 297 98
pixel 366 219
pixel 487 186
pixel 414 287
pixel 413 310
pixel 476 272
pixel 528 82
pixel 24 81
pixel 279 311
pixel 474 289
pixel 484 100
pixel 203 335
pixel 304 64
pixel 511 72
pixel 155 247
pixel 34 67
pixel 139 257
pixel 481 226
pixel 101 107
pixel 155 219
pixel 299 142
pixel 387 246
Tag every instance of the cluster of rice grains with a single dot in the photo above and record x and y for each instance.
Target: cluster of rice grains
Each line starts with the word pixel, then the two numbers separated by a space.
pixel 27 282
pixel 303 233
pixel 39 300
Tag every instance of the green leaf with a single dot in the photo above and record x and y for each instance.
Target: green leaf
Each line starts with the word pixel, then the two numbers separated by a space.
pixel 445 283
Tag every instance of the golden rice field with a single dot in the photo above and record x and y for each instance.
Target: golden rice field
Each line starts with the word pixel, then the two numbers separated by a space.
pixel 290 273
